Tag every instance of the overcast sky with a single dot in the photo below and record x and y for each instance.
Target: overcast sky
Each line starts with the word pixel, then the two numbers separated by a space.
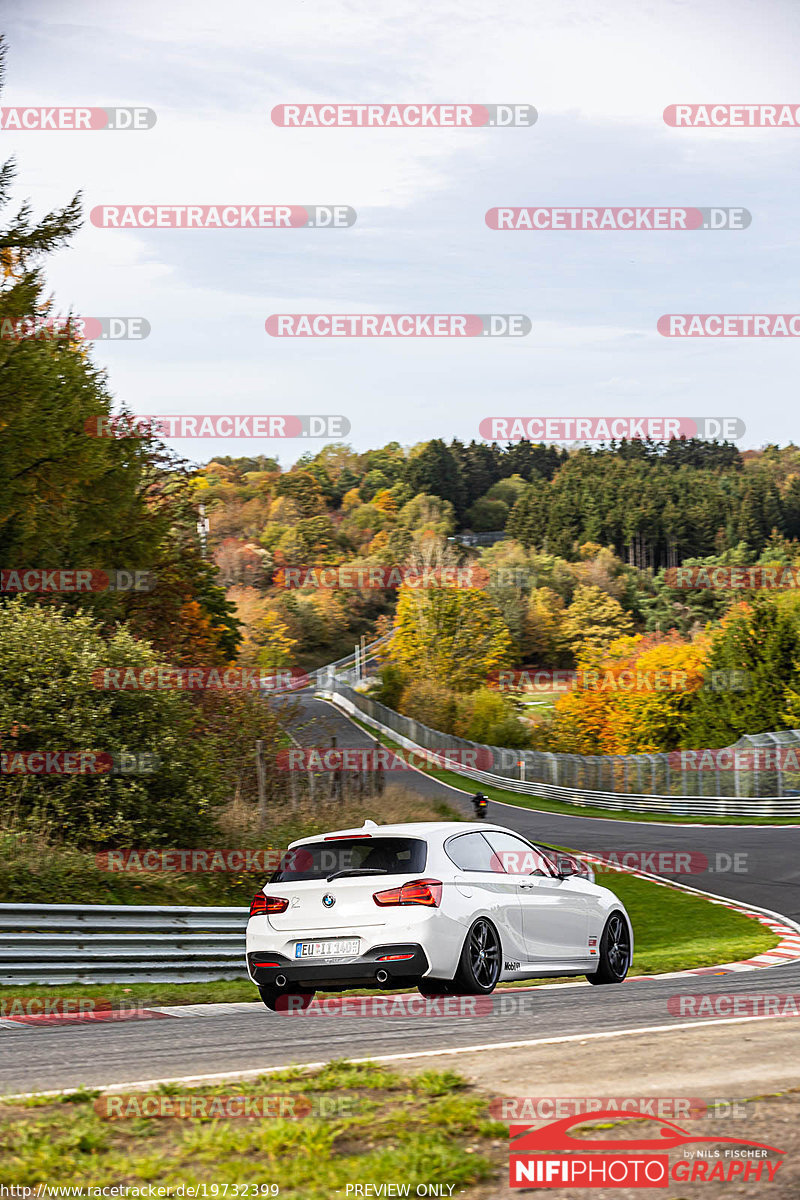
pixel 599 76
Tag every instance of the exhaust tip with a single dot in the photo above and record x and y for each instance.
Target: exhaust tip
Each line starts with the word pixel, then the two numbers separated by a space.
pixel 280 981
pixel 382 976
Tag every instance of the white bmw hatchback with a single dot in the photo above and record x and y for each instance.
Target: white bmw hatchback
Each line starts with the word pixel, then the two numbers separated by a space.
pixel 444 906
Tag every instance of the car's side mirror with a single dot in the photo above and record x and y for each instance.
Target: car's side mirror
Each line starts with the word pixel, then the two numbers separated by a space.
pixel 566 867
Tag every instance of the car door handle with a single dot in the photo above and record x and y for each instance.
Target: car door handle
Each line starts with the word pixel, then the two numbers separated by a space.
pixel 526 886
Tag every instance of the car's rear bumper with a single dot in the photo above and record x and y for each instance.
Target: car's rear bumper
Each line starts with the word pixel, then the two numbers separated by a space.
pixel 266 968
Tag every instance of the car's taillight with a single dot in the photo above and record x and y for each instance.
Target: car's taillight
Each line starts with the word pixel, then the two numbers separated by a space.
pixel 420 891
pixel 262 904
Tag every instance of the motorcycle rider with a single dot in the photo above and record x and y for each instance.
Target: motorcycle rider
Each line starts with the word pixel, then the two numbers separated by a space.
pixel 480 804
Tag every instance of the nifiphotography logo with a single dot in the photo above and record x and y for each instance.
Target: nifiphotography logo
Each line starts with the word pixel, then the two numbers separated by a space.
pixel 610 1163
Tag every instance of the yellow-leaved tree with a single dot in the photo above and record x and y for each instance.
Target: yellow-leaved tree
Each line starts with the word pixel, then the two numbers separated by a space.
pixel 456 636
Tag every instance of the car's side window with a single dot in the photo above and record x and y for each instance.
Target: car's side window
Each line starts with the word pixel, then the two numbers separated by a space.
pixel 516 856
pixel 471 852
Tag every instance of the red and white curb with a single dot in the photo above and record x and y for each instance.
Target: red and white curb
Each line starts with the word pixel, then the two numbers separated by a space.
pixel 787 932
pixel 102 1016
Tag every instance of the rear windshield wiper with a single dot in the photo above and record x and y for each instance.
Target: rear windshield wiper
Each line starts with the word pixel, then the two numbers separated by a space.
pixel 357 871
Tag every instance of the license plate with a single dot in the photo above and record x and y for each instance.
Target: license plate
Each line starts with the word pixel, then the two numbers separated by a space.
pixel 340 946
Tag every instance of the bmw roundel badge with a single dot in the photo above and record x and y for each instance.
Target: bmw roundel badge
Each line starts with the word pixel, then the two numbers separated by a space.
pixel 328 900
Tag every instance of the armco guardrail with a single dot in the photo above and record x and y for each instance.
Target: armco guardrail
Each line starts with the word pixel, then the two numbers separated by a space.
pixel 531 765
pixel 107 943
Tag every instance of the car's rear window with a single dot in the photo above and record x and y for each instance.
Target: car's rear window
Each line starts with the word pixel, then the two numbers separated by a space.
pixel 387 855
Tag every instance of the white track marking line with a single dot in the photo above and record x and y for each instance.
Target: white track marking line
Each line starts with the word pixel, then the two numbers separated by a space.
pixel 237 1076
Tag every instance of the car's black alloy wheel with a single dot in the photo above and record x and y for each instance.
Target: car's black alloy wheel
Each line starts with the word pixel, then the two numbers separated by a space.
pixel 615 952
pixel 479 969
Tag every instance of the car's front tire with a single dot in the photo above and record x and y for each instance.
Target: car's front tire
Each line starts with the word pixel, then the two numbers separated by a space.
pixel 614 958
pixel 283 1000
pixel 481 960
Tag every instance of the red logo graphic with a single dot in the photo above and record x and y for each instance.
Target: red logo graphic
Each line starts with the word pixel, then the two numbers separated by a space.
pixel 612 1167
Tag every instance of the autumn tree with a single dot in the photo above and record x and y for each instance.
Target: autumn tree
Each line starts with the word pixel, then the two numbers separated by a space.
pixel 454 635
pixel 275 644
pixel 593 620
pixel 757 645
pixel 544 639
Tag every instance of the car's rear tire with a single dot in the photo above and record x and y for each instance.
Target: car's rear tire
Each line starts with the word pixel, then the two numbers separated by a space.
pixel 285 999
pixel 614 958
pixel 481 960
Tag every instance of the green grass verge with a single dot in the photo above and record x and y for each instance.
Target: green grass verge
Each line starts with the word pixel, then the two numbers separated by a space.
pixel 542 804
pixel 378 1125
pixel 673 931
pixel 33 870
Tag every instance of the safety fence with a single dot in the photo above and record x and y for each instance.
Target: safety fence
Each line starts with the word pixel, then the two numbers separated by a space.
pixel 641 782
pixel 107 943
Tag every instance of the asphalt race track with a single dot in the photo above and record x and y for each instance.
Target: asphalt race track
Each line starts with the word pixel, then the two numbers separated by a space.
pixel 235 1038
pixel 771 878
